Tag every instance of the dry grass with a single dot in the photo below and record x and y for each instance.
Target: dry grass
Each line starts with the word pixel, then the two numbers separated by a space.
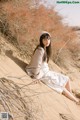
pixel 26 23
pixel 22 24
pixel 12 100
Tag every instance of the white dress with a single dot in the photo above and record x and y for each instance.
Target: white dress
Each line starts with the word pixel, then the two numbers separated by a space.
pixel 54 80
pixel 40 70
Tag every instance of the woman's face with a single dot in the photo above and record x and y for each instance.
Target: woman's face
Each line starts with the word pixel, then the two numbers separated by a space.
pixel 46 42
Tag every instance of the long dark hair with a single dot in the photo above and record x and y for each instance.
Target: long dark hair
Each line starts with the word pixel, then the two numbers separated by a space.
pixel 47 53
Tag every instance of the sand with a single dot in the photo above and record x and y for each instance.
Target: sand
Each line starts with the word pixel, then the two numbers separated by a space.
pixel 46 104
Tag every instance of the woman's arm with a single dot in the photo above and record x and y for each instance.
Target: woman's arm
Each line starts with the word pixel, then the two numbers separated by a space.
pixel 37 60
pixel 34 68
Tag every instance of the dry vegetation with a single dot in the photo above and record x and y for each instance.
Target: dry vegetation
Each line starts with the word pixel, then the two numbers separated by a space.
pixel 13 100
pixel 22 24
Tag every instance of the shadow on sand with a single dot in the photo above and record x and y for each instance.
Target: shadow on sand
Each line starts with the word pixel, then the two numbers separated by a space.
pixel 19 62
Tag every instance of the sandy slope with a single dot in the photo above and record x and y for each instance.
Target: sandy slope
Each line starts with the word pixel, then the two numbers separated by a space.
pixel 48 104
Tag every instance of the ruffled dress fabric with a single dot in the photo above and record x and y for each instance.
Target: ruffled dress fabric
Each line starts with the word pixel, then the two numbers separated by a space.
pixel 54 80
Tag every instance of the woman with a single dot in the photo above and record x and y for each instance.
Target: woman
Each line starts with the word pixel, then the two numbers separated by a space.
pixel 38 68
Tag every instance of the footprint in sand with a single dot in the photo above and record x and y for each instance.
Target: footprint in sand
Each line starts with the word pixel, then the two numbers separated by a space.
pixel 66 116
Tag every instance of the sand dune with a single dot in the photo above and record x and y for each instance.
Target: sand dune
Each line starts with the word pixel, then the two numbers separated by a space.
pixel 45 104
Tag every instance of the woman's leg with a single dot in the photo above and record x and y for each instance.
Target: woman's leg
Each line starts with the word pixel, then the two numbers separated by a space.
pixel 70 95
pixel 68 86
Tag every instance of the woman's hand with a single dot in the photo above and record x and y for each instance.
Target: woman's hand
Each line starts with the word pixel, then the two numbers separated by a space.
pixel 36 81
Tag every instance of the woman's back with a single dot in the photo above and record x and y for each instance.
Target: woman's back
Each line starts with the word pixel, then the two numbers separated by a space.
pixel 36 65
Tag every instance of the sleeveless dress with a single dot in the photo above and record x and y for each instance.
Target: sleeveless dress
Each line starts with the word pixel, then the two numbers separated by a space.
pixel 39 69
